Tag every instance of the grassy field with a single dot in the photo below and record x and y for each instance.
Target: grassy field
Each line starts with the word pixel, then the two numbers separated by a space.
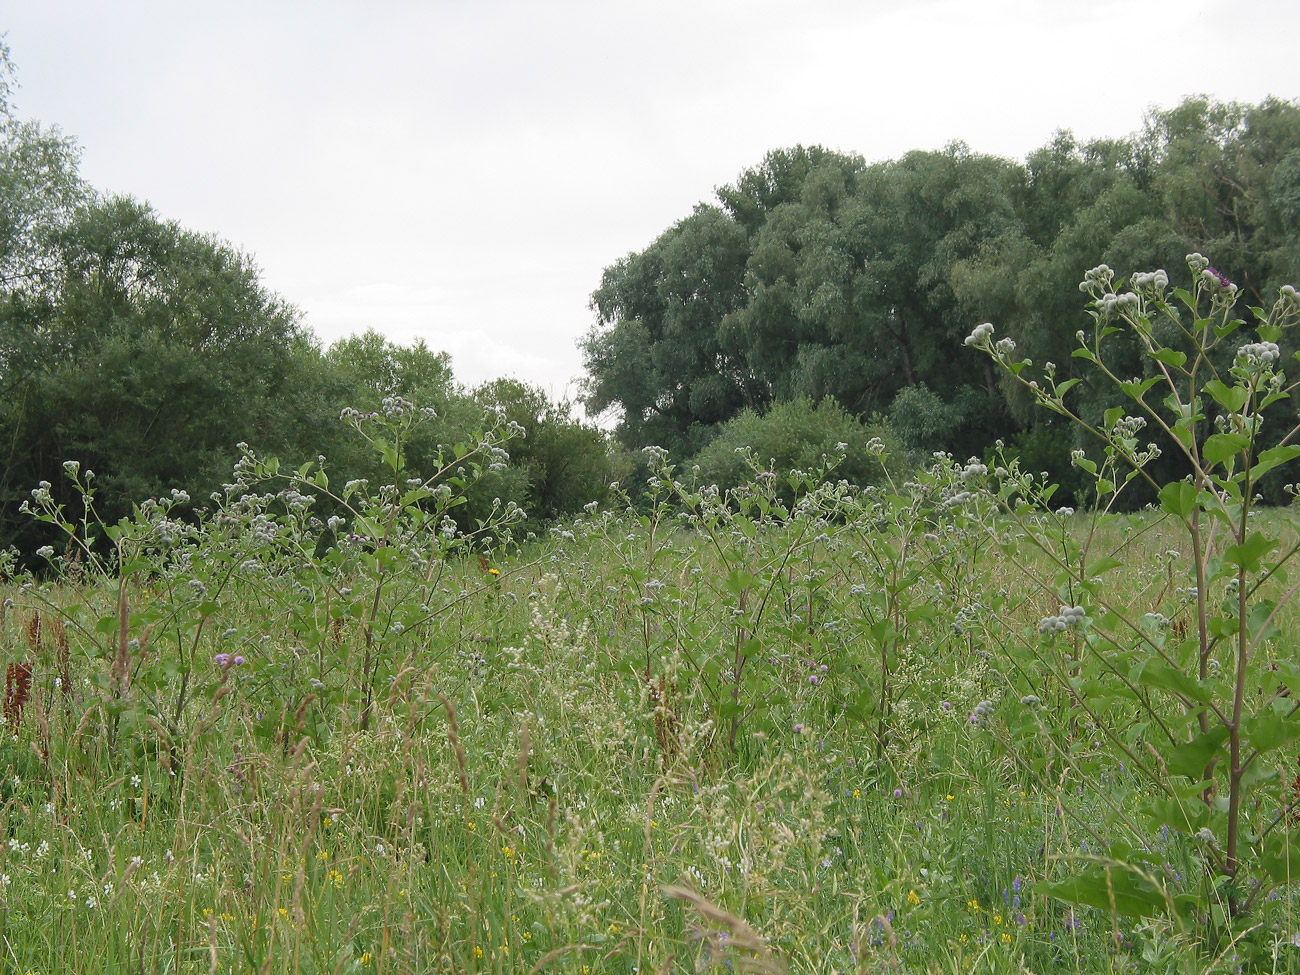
pixel 695 736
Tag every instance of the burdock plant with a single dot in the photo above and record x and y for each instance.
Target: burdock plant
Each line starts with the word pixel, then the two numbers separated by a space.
pixel 1210 722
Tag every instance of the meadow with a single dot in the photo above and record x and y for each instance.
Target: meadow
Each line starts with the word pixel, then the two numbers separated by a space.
pixel 933 724
pixel 699 733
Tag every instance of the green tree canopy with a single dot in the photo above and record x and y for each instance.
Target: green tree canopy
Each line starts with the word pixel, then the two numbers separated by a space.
pixel 820 275
pixel 148 353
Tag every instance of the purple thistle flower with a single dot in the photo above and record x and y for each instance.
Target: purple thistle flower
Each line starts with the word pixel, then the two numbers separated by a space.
pixel 222 660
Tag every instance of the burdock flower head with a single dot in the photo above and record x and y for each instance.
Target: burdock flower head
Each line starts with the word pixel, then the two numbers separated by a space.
pixel 1218 280
pixel 1256 358
pixel 1150 281
pixel 1097 279
pixel 981 335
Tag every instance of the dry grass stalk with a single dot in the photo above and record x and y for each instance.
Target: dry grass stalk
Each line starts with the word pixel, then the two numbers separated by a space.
pixel 862 945
pixel 748 951
pixel 1292 799
pixel 122 659
pixel 667 722
pixel 521 763
pixel 555 953
pixel 72 561
pixel 453 736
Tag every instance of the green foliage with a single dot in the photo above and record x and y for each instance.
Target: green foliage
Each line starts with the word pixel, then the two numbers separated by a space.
pixel 1204 724
pixel 924 422
pixel 796 436
pixel 148 355
pixel 347 570
pixel 660 360
pixel 40 191
pixel 146 352
pixel 1038 449
pixel 565 462
pixel 821 275
pixel 826 731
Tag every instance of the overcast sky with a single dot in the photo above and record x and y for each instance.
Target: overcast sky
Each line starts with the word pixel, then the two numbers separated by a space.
pixel 462 171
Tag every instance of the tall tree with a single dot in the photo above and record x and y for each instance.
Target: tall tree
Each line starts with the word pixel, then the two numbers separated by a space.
pixel 820 276
pixel 656 353
pixel 147 353
pixel 40 189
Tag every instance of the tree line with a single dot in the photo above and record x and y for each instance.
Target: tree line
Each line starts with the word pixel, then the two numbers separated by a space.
pixel 819 275
pixel 147 352
pixel 820 300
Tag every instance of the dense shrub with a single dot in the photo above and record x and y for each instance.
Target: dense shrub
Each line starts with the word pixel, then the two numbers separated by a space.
pixel 795 435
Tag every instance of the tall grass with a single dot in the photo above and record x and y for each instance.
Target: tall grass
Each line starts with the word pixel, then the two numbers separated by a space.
pixel 547 782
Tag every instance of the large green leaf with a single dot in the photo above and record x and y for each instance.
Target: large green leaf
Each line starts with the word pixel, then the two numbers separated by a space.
pixel 1100 566
pixel 1268 730
pixel 1116 889
pixel 1178 498
pixel 1219 447
pixel 1191 758
pixel 1280 858
pixel 1273 457
pixel 1231 398
pixel 1251 552
pixel 1170 357
pixel 1156 672
pixel 1184 814
pixel 1139 389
